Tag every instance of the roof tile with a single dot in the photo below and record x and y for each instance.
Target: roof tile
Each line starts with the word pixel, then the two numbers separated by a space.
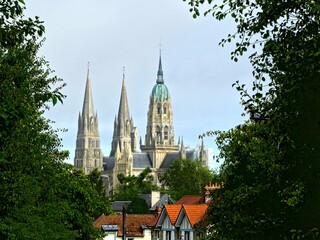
pixel 133 222
pixel 190 199
pixel 195 212
pixel 173 212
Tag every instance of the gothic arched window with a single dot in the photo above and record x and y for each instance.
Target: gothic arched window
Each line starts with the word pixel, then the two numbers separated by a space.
pixel 165 133
pixel 158 108
pixel 158 133
pixel 164 109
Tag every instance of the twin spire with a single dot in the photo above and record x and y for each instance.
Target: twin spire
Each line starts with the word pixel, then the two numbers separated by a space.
pixel 88 109
pixel 123 113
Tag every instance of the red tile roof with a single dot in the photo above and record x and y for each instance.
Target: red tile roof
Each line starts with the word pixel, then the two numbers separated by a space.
pixel 133 222
pixel 173 212
pixel 189 199
pixel 195 212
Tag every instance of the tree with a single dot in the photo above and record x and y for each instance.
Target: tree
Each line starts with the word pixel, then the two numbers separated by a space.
pixel 275 155
pixel 186 177
pixel 97 182
pixel 40 196
pixel 131 187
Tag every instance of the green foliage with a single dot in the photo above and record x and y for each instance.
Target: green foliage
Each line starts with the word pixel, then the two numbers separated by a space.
pixel 130 187
pixel 186 177
pixel 259 196
pixel 40 196
pixel 97 182
pixel 138 206
pixel 271 168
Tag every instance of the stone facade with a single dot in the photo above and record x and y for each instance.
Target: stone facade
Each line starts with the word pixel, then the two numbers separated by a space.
pixel 159 148
pixel 88 154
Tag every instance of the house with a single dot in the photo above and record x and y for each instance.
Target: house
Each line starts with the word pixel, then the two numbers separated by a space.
pixel 189 222
pixel 184 220
pixel 165 225
pixel 138 226
pixel 191 200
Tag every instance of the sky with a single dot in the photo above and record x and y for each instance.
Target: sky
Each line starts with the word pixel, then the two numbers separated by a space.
pixel 112 34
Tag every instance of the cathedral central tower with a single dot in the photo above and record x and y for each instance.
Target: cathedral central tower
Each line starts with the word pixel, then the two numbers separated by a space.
pixel 159 138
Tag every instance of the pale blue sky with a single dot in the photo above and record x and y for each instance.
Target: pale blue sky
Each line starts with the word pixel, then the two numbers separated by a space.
pixel 111 34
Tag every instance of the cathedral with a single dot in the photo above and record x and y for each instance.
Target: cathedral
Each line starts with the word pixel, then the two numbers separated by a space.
pixel 157 151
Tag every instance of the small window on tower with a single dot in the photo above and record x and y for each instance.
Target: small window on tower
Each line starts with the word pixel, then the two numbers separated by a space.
pixel 164 110
pixel 165 133
pixel 158 134
pixel 158 108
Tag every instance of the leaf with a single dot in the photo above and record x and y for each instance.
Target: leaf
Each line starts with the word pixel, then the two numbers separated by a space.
pixel 54 100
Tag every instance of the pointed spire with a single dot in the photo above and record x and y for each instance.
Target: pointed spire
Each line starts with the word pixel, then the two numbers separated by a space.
pixel 118 152
pixel 202 156
pixel 123 113
pixel 202 144
pixel 182 152
pixel 182 144
pixel 79 124
pixel 201 149
pixel 88 110
pixel 160 72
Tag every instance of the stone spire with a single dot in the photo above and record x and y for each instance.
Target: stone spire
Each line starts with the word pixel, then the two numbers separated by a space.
pixel 88 154
pixel 182 153
pixel 124 132
pixel 123 113
pixel 160 72
pixel 87 109
pixel 203 157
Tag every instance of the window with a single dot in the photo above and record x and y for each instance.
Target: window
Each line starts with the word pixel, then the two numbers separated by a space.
pixel 157 235
pixel 158 134
pixel 164 109
pixel 186 235
pixel 165 133
pixel 158 108
pixel 168 235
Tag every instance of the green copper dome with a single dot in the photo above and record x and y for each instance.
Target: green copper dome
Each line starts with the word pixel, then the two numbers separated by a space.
pixel 160 92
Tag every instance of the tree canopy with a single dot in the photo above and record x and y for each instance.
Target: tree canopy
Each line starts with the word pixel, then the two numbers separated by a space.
pixel 271 162
pixel 41 197
pixel 185 177
pixel 130 187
